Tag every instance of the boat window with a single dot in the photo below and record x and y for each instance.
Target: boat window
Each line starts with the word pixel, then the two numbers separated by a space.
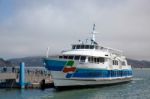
pixel 86 46
pixel 82 46
pixel 65 57
pixel 83 58
pixel 92 59
pixel 91 46
pixel 60 57
pixel 96 47
pixel 123 63
pixel 76 57
pixel 78 46
pixel 101 59
pixel 89 59
pixel 73 46
pixel 70 57
pixel 115 62
pixel 101 48
pixel 96 59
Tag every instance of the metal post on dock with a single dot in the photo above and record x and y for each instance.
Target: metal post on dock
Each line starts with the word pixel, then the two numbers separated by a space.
pixel 22 75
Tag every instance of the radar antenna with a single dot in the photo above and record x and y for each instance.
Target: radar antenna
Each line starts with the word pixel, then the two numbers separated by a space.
pixel 93 35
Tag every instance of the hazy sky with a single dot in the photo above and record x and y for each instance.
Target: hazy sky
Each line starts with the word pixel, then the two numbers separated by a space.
pixel 27 27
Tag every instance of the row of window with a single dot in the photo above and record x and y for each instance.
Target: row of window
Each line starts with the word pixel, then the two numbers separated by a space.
pixel 83 58
pixel 120 73
pixel 77 57
pixel 84 47
pixel 96 59
pixel 115 62
pixel 90 59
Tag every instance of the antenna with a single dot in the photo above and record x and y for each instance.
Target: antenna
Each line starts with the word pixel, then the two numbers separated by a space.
pixel 47 52
pixel 93 35
pixel 93 32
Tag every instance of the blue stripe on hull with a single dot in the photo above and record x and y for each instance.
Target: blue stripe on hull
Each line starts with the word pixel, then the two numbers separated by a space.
pixel 89 73
pixel 55 65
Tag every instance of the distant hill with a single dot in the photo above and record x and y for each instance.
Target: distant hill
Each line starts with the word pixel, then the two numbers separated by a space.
pixel 139 64
pixel 4 62
pixel 37 61
pixel 29 61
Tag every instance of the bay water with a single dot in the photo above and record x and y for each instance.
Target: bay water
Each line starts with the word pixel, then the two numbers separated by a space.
pixel 139 88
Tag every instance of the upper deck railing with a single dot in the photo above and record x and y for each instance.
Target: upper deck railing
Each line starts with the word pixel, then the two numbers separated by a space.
pixel 97 47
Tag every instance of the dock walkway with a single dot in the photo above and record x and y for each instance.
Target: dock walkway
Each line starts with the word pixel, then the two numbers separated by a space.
pixel 7 76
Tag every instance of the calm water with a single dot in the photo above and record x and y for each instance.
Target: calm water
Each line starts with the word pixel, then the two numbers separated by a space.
pixel 139 88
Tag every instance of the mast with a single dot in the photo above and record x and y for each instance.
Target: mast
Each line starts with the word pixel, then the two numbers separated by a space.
pixel 47 52
pixel 93 34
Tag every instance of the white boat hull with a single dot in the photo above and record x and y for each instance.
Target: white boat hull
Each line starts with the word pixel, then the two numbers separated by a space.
pixel 69 73
pixel 60 81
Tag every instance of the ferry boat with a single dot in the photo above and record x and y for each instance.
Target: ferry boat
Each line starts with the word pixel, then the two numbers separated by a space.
pixel 88 64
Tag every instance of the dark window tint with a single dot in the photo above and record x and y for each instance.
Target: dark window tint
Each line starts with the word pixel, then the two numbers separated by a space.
pixel 98 60
pixel 89 59
pixel 73 47
pixel 86 46
pixel 96 47
pixel 60 57
pixel 70 57
pixel 83 58
pixel 77 57
pixel 65 57
pixel 78 46
pixel 82 46
pixel 91 46
pixel 95 60
pixel 101 59
pixel 92 59
pixel 115 62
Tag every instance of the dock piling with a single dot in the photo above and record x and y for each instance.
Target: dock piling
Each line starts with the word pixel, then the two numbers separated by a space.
pixel 22 75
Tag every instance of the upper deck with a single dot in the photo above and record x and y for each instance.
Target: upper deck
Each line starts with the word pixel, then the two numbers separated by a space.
pixel 96 47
